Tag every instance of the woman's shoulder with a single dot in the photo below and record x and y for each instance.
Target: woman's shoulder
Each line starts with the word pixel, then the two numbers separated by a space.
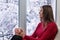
pixel 52 24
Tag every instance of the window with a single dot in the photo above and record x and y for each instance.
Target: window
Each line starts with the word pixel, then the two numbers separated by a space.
pixel 8 18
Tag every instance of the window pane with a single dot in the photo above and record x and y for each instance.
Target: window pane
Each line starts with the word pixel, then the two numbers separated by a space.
pixel 8 18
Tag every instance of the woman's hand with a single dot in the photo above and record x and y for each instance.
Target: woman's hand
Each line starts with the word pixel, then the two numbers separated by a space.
pixel 17 31
pixel 20 32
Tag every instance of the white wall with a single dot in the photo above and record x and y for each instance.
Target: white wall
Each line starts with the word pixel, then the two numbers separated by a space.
pixel 58 13
pixel 58 20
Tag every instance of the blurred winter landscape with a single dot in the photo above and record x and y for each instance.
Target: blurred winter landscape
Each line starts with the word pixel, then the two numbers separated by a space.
pixel 8 18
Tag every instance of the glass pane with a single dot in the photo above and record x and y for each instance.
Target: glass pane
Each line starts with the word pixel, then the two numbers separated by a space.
pixel 8 18
pixel 32 15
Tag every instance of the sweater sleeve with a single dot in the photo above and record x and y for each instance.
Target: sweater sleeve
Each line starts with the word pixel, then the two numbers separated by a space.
pixel 33 35
pixel 48 34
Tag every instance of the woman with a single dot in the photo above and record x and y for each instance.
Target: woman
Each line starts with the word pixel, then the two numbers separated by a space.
pixel 47 29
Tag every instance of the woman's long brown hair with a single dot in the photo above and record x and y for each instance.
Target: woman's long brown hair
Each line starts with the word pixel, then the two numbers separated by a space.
pixel 47 13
